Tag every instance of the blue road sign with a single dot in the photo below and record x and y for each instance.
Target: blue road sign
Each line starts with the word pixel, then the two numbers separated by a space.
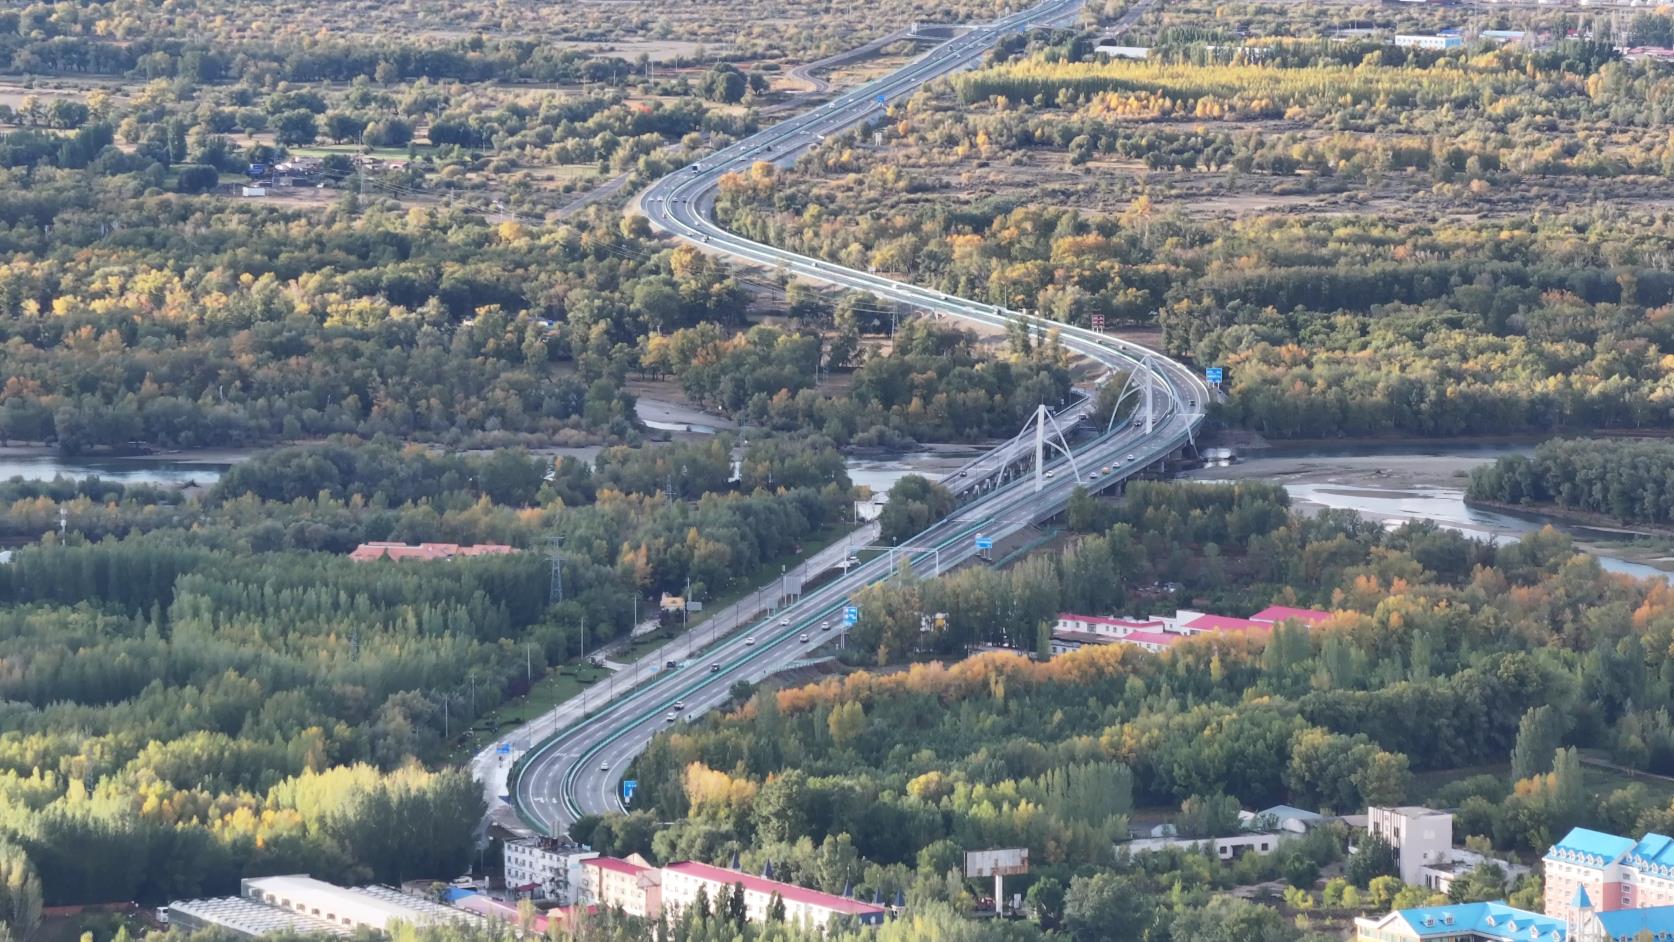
pixel 984 542
pixel 851 614
pixel 1214 374
pixel 503 749
pixel 629 786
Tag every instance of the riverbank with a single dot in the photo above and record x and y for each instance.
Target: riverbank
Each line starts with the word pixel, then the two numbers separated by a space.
pixel 1603 523
pixel 1395 488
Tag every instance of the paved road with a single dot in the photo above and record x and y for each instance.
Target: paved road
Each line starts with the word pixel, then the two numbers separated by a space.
pixel 579 770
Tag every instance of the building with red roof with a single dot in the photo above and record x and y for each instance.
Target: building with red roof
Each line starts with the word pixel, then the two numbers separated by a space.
pixel 632 885
pixel 682 881
pixel 1207 623
pixel 1074 631
pixel 1278 613
pixel 366 552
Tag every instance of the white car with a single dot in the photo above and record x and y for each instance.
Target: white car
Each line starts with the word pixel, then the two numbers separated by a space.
pixel 604 766
pixel 750 640
pixel 670 716
pixel 1131 458
pixel 784 623
pixel 803 639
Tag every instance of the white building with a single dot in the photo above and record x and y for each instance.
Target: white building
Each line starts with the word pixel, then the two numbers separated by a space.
pixel 1122 52
pixel 1436 41
pixel 546 868
pixel 367 907
pixel 246 918
pixel 1223 848
pixel 1421 837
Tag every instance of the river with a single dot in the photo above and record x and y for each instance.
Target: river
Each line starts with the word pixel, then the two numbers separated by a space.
pixel 167 472
pixel 1393 485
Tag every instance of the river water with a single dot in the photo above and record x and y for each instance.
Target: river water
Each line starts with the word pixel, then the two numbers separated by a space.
pixel 124 470
pixel 1397 484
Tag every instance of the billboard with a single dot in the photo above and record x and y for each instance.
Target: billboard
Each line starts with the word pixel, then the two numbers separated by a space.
pixel 1005 862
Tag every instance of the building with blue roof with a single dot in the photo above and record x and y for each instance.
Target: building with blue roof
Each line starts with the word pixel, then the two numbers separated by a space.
pixel 1617 873
pixel 1462 922
pixel 1498 922
pixel 1588 860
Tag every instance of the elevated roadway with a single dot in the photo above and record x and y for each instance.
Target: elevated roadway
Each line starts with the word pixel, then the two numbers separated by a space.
pixel 578 770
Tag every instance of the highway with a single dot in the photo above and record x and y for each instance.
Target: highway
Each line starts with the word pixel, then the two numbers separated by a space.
pixel 579 770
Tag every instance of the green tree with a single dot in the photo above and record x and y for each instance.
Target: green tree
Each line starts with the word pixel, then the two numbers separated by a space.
pixel 1539 733
pixel 1106 906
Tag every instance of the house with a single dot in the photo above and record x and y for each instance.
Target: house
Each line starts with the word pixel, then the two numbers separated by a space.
pixel 1230 847
pixel 1612 872
pixel 683 881
pixel 1498 922
pixel 546 868
pixel 1463 922
pixel 1073 631
pixel 1437 41
pixel 632 885
pixel 642 890
pixel 1590 863
pixel 1122 52
pixel 366 552
pixel 366 907
pixel 1421 837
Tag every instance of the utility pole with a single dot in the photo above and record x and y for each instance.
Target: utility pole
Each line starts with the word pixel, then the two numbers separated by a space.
pixel 555 587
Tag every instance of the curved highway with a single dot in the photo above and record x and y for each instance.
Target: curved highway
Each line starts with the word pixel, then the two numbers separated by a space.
pixel 579 770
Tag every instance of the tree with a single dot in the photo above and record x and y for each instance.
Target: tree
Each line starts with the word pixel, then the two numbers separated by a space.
pixel 1106 906
pixel 1208 816
pixel 776 908
pixel 723 83
pixel 1539 733
pixel 700 903
pixel 1228 919
pixel 1375 858
pixel 294 127
pixel 1486 881
pixel 737 911
pixel 196 178
pixel 914 503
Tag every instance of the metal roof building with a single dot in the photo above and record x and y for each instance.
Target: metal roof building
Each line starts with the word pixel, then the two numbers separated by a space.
pixel 371 907
pixel 247 918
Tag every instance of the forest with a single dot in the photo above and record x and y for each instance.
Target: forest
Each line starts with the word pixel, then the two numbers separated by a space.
pixel 1628 480
pixel 1429 250
pixel 1443 653
pixel 197 690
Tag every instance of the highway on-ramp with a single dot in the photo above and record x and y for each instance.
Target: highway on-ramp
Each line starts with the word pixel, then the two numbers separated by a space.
pixel 579 769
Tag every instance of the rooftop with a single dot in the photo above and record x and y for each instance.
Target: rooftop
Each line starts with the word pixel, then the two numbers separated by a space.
pixel 379 549
pixel 1590 848
pixel 1106 620
pixel 1653 850
pixel 1485 920
pixel 375 906
pixel 1277 613
pixel 789 892
pixel 1225 623
pixel 1658 921
pixel 248 917
pixel 615 865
